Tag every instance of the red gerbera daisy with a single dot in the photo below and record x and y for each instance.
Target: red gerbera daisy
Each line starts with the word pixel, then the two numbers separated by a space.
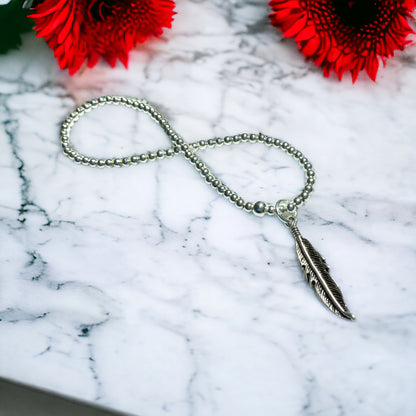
pixel 345 35
pixel 79 30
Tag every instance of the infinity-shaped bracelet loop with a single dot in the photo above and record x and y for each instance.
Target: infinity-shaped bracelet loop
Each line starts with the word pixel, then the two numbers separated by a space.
pixel 180 146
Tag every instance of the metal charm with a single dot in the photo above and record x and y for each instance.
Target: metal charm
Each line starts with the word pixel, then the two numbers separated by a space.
pixel 313 265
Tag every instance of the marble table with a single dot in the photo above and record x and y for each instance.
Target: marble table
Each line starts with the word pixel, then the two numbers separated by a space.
pixel 143 290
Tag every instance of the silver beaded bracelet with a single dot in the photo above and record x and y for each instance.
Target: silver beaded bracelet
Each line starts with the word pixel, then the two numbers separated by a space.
pixel 313 265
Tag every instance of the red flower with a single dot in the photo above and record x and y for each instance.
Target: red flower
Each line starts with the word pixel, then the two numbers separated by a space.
pixel 345 35
pixel 79 30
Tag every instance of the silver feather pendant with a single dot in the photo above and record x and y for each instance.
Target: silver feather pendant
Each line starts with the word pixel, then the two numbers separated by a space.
pixel 313 265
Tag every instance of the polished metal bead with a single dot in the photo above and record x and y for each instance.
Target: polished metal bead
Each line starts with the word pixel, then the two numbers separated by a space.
pixel 309 188
pixel 228 140
pixel 209 178
pixel 135 159
pixel 307 166
pixel 228 192
pixel 202 144
pixel 211 142
pixel 305 195
pixel 269 141
pixel 194 158
pixel 310 173
pixel 169 152
pixel 85 160
pixel 199 165
pixel 291 150
pixel 141 106
pixel 126 161
pixel 222 189
pixel 220 141
pixel 78 159
pixel 233 197
pixel 248 206
pixel 184 146
pixel 270 210
pixel 152 156
pixel 118 162
pixel 143 158
pixel 102 100
pixel 204 171
pixel 285 145
pixel 298 200
pixel 297 154
pixel 244 137
pixel 291 206
pixel 261 138
pixel 253 138
pixel 94 103
pixel 310 181
pixel 101 163
pixel 109 162
pixel 277 143
pixel 240 202
pixel 259 208
pixel 237 138
pixel 303 160
pixel 188 154
pixel 176 149
pixel 123 100
pixel 93 162
pixel 215 183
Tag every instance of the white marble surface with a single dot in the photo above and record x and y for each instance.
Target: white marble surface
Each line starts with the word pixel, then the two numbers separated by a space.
pixel 143 290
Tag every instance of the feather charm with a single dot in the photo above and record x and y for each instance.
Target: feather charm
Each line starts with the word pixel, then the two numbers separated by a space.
pixel 313 265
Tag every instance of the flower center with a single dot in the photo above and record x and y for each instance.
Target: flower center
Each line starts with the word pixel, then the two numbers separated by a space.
pixel 356 13
pixel 100 9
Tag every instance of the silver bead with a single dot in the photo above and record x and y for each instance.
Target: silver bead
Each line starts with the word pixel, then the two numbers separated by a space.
pixel 261 138
pixel 240 202
pixel 209 178
pixel 248 206
pixel 298 200
pixel 118 162
pixel 291 206
pixel 270 210
pixel 109 162
pixel 211 143
pixel 135 159
pixel 285 145
pixel 277 143
pixel 228 140
pixel 253 138
pixel 222 189
pixel 237 138
pixel 310 181
pixel 259 208
pixel 204 171
pixel 220 141
pixel 216 183
pixel 143 158
pixel 291 150
pixel 233 197
pixel 307 166
pixel 188 154
pixel 126 161
pixel 169 152
pixel 309 188
pixel 305 195
pixel 269 141
pixel 244 137
pixel 310 173
pixel 93 162
pixel 194 158
pixel 152 156
pixel 228 193
pixel 101 163
pixel 202 144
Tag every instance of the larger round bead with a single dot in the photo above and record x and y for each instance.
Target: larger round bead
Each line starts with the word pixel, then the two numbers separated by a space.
pixel 259 208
